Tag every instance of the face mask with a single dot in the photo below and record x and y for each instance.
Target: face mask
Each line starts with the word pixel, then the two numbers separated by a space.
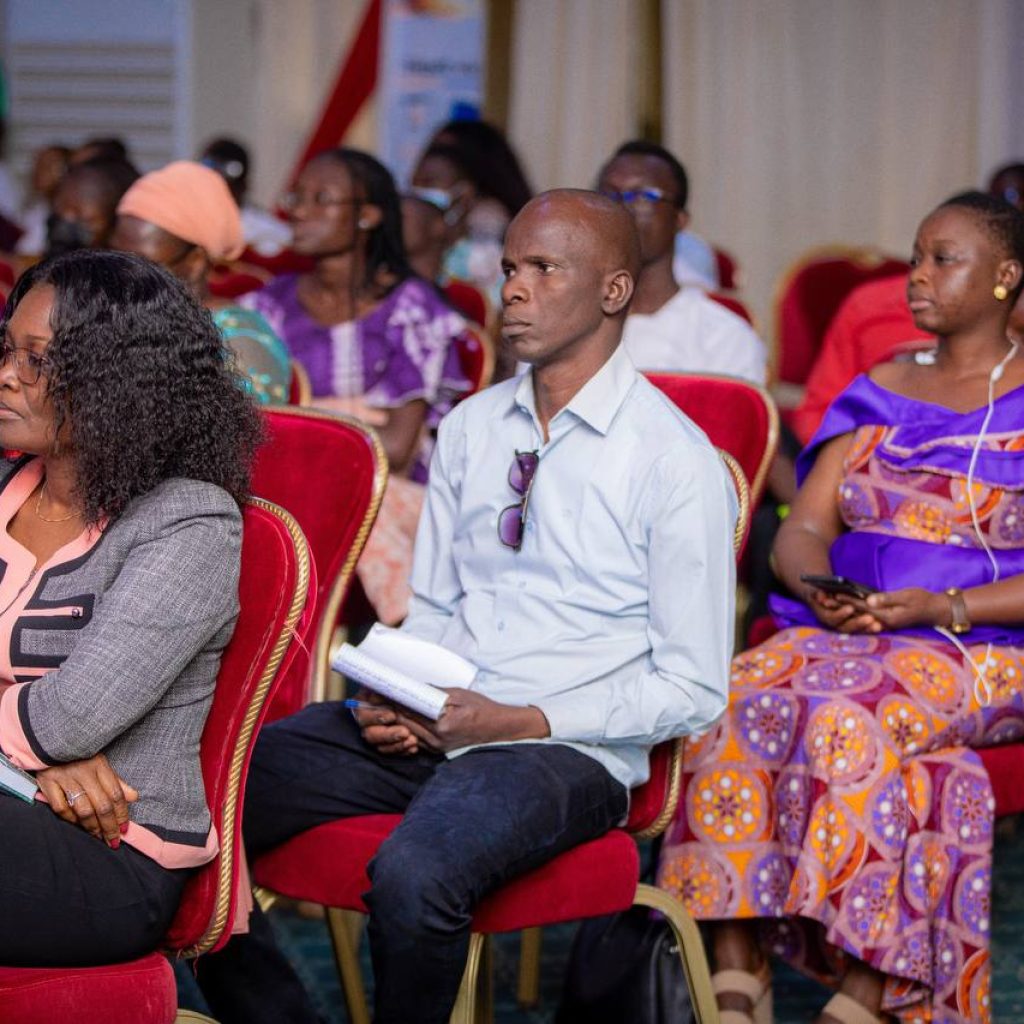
pixel 65 235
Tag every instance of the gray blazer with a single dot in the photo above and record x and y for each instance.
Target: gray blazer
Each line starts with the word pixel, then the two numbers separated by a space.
pixel 132 666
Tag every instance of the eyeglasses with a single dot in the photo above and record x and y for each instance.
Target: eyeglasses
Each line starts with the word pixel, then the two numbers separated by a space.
pixel 512 520
pixel 322 200
pixel 28 365
pixel 635 196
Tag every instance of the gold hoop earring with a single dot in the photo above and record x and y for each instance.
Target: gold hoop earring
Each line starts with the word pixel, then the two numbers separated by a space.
pixel 1000 292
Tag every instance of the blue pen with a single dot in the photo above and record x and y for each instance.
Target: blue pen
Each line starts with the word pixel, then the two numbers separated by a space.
pixel 351 702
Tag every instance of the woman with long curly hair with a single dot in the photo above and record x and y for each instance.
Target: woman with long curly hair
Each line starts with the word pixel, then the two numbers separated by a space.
pixel 120 533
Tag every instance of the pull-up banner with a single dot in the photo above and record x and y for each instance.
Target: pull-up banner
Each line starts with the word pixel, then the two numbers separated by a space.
pixel 431 69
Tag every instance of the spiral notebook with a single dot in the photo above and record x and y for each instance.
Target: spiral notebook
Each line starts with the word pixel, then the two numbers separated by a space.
pixel 405 669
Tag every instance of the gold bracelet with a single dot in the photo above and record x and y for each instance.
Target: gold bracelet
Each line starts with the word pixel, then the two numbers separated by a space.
pixel 960 622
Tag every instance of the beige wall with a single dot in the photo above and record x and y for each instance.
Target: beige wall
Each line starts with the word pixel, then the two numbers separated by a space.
pixel 263 69
pixel 802 122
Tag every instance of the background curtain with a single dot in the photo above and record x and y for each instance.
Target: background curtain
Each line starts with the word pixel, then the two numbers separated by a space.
pixel 573 93
pixel 801 122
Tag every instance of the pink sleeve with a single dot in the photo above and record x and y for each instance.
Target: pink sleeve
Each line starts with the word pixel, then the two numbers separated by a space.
pixel 13 740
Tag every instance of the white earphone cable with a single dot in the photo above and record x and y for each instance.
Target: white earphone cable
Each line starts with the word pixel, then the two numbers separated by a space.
pixel 982 687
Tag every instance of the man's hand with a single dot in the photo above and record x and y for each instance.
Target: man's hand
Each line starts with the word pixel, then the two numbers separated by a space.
pixel 468 718
pixel 89 793
pixel 380 726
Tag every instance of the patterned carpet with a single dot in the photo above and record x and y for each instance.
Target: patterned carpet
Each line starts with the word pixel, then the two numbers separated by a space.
pixel 796 999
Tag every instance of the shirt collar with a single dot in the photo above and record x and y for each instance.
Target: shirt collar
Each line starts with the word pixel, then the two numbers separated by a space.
pixel 597 402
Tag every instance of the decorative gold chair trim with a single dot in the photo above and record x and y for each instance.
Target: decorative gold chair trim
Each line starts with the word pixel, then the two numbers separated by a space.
pixel 305 388
pixel 227 822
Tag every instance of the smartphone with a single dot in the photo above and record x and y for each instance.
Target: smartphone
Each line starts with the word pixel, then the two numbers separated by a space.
pixel 837 585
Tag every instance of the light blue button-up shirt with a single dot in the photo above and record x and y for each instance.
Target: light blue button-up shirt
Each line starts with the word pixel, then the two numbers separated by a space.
pixel 615 617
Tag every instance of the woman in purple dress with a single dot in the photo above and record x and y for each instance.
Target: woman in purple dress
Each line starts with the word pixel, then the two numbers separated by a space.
pixel 837 815
pixel 375 340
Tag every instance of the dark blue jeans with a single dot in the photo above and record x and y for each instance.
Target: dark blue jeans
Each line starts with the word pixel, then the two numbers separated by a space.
pixel 470 824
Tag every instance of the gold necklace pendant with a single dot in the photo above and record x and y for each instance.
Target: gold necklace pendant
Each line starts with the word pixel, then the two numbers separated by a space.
pixel 46 519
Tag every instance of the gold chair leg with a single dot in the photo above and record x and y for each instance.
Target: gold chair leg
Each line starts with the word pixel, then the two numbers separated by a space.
pixel 528 983
pixel 346 928
pixel 691 949
pixel 192 1017
pixel 467 1006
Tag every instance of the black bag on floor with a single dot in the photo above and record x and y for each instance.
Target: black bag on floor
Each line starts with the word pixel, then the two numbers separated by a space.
pixel 625 969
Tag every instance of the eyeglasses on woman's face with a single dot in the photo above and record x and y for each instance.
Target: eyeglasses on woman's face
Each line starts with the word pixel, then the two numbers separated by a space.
pixel 29 366
pixel 320 199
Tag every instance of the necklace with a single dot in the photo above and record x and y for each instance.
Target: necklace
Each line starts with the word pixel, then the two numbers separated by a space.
pixel 45 519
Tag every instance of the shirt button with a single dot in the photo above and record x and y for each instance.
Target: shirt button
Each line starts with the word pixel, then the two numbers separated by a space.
pixel 379 365
pixel 522 583
pixel 501 627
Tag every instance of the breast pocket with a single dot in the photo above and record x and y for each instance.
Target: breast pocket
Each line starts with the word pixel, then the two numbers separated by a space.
pixel 45 641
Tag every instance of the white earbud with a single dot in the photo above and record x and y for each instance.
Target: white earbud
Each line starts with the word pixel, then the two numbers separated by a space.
pixel 364 224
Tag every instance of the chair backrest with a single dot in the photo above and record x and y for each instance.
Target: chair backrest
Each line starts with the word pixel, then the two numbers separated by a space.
pixel 228 281
pixel 300 391
pixel 468 300
pixel 737 416
pixel 653 805
pixel 329 471
pixel 274 611
pixel 728 269
pixel 733 305
pixel 476 358
pixel 808 296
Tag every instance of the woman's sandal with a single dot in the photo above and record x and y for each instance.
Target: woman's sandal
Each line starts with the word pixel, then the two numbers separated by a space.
pixel 845 1010
pixel 757 987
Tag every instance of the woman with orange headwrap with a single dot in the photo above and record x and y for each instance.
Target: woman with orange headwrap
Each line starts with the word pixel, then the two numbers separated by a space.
pixel 184 218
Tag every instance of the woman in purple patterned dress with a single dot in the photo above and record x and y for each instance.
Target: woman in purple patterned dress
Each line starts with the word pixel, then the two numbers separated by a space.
pixel 374 339
pixel 837 814
pixel 377 342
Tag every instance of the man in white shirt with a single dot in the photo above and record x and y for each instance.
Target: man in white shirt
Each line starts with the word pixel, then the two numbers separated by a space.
pixel 575 545
pixel 668 327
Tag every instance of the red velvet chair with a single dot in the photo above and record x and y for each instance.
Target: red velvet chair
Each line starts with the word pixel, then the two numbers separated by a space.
pixel 806 298
pixel 476 358
pixel 8 274
pixel 327 865
pixel 468 300
pixel 737 416
pixel 728 270
pixel 329 471
pixel 275 609
pixel 732 304
pixel 229 280
pixel 284 262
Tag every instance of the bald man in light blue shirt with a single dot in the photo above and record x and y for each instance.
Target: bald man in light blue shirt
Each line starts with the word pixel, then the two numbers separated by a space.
pixel 576 546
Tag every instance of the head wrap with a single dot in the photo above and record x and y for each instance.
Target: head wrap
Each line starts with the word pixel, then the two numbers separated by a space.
pixel 191 202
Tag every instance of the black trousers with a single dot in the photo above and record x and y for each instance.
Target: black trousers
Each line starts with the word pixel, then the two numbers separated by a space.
pixel 470 824
pixel 67 899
